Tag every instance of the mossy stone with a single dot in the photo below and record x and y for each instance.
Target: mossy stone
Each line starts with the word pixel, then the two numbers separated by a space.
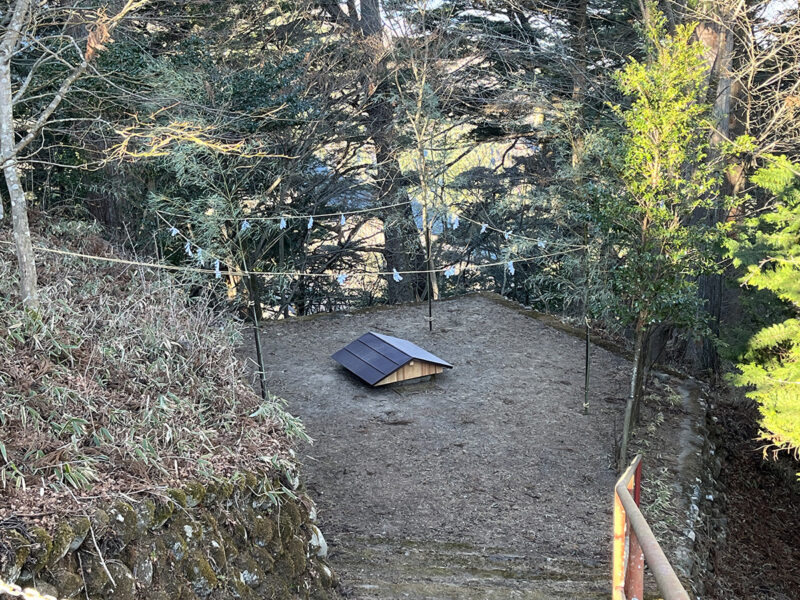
pixel 324 574
pixel 159 556
pixel 284 567
pixel 194 492
pixel 94 575
pixel 263 558
pixel 169 582
pixel 296 551
pixel 67 583
pixel 217 554
pixel 145 516
pixel 185 593
pixel 68 563
pixel 100 523
pixel 244 592
pixel 177 496
pixel 162 513
pixel 275 588
pixel 290 480
pixel 41 547
pixel 239 484
pixel 45 588
pixel 276 545
pixel 208 523
pixel 11 569
pixel 200 574
pixel 230 547
pixel 290 508
pixel 261 531
pixel 189 546
pixel 211 494
pixel 124 586
pixel 320 593
pixel 224 490
pixel 286 525
pixel 123 521
pixel 307 508
pixel 249 572
pixel 80 529
pixel 239 532
pixel 139 559
pixel 191 530
pixel 250 482
pixel 62 539
pixel 175 543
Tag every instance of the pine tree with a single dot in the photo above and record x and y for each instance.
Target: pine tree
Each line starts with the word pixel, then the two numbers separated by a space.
pixel 770 255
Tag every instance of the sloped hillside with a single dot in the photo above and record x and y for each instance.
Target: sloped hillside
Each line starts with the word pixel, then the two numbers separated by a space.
pixel 134 456
pixel 122 382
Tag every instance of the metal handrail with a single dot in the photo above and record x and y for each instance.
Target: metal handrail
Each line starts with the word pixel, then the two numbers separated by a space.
pixel 635 544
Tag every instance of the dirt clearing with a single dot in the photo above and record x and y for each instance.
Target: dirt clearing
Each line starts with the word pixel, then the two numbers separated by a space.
pixel 487 481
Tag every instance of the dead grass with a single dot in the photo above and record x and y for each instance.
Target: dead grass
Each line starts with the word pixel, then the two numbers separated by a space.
pixel 121 383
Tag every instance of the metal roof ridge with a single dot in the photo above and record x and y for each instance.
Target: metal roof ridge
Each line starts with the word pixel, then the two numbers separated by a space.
pixel 423 354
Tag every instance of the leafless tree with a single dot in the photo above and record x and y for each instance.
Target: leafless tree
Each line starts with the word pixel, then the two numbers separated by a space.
pixel 37 35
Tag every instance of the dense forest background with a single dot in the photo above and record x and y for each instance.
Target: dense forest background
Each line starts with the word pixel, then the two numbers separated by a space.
pixel 630 167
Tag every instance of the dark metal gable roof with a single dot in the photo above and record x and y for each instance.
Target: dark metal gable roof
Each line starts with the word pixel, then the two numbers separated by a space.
pixel 411 349
pixel 374 356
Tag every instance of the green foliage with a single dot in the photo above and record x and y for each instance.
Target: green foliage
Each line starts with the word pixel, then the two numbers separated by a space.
pixel 769 252
pixel 274 410
pixel 661 162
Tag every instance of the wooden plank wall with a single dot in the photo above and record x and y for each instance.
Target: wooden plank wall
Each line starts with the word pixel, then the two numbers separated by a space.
pixel 414 369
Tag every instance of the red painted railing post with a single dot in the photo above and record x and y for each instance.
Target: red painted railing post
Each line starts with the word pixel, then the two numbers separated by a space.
pixel 634 543
pixel 619 551
pixel 634 572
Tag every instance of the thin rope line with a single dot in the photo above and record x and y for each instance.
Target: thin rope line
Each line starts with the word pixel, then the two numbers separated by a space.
pixel 294 216
pixel 240 273
pixel 508 231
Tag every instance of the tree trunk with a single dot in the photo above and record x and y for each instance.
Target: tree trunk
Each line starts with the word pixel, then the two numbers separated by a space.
pixel 403 252
pixel 402 248
pixel 640 367
pixel 716 35
pixel 578 43
pixel 635 393
pixel 19 206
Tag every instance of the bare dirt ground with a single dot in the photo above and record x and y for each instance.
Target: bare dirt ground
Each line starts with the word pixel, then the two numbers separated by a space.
pixel 760 557
pixel 486 482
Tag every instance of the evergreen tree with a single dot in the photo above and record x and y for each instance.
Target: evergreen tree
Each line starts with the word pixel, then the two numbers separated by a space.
pixel 769 252
pixel 665 179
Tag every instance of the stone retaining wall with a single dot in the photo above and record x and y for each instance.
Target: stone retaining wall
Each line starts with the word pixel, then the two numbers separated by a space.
pixel 706 501
pixel 245 538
